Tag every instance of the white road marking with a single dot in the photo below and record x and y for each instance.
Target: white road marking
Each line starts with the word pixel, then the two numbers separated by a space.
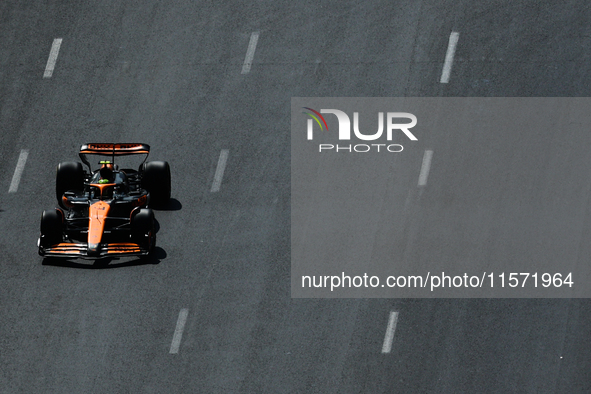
pixel 449 56
pixel 389 337
pixel 252 46
pixel 178 332
pixel 18 171
pixel 55 49
pixel 219 172
pixel 425 167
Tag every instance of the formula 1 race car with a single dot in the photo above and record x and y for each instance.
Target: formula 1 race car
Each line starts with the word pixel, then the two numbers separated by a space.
pixel 105 212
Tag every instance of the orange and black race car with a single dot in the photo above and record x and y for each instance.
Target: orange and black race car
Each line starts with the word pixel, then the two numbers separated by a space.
pixel 106 211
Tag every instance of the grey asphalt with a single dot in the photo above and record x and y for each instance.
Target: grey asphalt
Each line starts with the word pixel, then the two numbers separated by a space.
pixel 167 73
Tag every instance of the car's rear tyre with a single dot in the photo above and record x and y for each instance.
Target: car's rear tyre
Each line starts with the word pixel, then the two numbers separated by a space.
pixel 142 229
pixel 69 176
pixel 52 226
pixel 156 180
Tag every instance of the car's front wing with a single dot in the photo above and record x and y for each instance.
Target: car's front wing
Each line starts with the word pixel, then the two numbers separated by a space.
pixel 80 250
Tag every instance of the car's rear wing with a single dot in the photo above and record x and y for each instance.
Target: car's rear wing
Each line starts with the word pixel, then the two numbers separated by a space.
pixel 108 149
pixel 114 149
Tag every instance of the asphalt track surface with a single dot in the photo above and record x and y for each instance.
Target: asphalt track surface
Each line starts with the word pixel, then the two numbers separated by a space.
pixel 169 73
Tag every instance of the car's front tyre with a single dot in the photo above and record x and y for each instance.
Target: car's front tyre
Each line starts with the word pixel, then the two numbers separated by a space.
pixel 52 226
pixel 143 229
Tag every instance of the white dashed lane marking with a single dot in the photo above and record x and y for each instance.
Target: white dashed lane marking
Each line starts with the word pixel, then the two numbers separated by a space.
pixel 55 49
pixel 425 167
pixel 252 46
pixel 18 171
pixel 390 330
pixel 219 172
pixel 449 56
pixel 178 332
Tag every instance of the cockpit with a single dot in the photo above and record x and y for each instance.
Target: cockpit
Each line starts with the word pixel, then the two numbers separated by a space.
pixel 105 188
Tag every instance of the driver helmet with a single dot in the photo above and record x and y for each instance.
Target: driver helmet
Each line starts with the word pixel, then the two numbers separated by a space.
pixel 106 172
